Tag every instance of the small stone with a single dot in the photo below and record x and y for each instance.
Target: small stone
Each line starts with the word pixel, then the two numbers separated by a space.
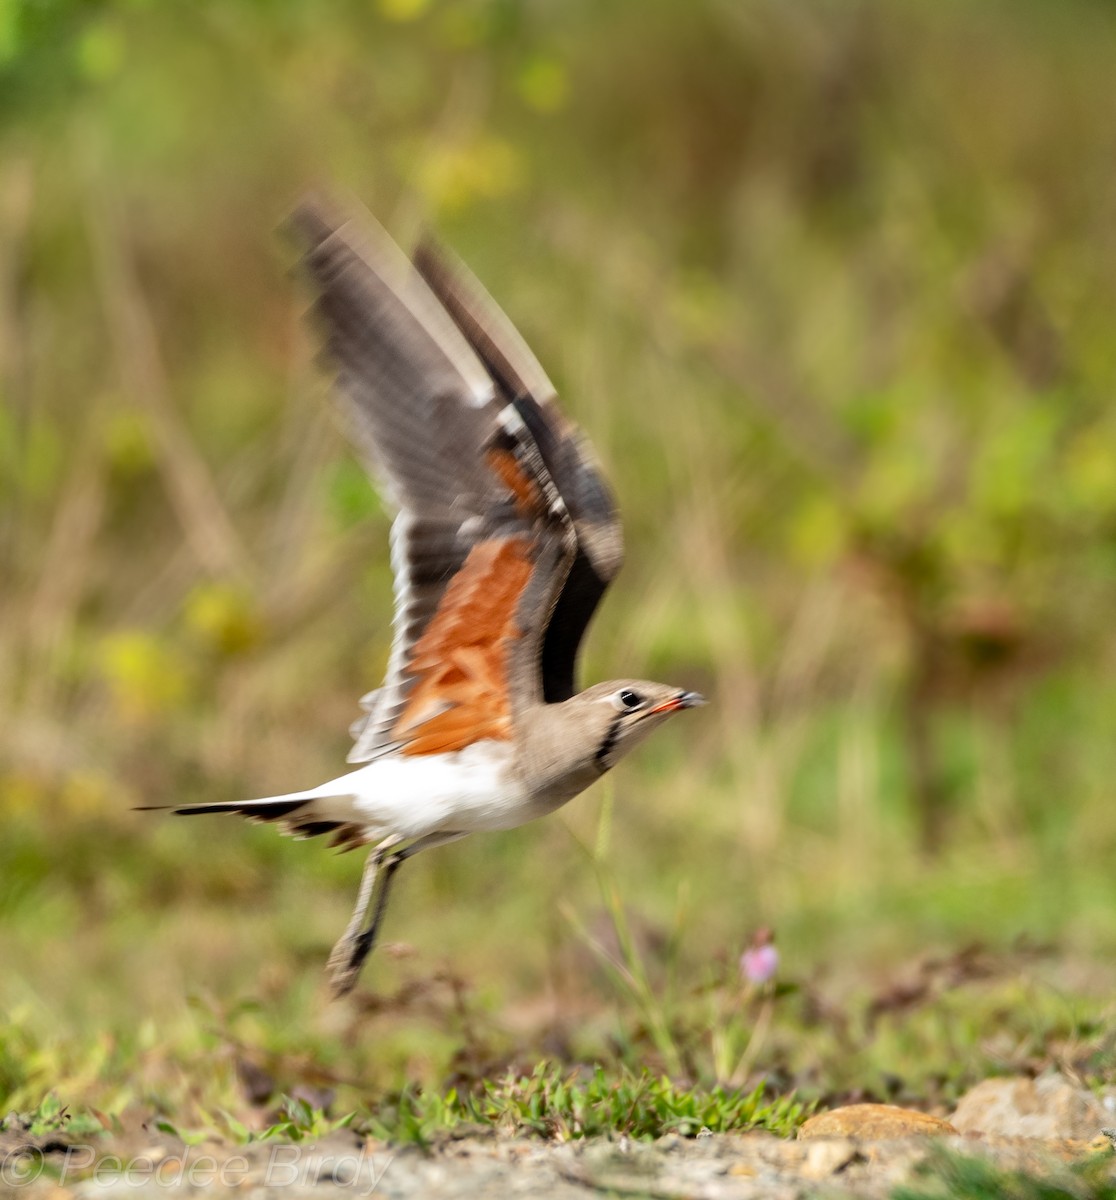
pixel 745 1170
pixel 1049 1107
pixel 875 1122
pixel 826 1157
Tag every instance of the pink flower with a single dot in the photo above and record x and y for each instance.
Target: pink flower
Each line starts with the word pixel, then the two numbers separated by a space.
pixel 760 961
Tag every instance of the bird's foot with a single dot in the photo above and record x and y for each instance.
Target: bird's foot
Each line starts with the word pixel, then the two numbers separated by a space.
pixel 345 962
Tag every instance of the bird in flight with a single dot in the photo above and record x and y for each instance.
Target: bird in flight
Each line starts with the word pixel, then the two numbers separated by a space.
pixel 505 539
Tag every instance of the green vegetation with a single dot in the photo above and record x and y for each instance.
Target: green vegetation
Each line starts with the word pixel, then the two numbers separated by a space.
pixel 829 285
pixel 52 1117
pixel 954 1177
pixel 552 1103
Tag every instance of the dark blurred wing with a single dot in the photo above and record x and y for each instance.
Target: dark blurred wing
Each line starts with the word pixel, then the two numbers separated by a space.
pixel 483 541
pixel 523 385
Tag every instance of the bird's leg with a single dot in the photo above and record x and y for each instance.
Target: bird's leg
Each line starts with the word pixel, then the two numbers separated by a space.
pixel 345 980
pixel 343 951
pixel 356 942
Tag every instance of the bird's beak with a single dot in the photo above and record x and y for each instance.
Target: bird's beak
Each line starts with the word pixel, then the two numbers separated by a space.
pixel 682 700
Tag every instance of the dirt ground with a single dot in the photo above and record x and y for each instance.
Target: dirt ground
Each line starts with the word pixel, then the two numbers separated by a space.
pixel 712 1167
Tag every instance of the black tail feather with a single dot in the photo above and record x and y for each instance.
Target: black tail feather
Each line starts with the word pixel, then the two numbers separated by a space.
pixel 268 810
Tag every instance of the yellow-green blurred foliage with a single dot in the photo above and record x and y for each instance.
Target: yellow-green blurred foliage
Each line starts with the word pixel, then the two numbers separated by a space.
pixel 831 287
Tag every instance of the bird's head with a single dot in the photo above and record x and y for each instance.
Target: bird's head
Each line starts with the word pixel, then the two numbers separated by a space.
pixel 623 712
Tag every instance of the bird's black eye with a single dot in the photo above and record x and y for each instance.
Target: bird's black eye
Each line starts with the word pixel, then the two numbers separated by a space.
pixel 629 699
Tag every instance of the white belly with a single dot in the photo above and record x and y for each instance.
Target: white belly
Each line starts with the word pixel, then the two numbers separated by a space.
pixel 466 791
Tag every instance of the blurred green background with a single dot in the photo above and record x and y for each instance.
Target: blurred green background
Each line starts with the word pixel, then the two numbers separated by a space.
pixel 830 286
